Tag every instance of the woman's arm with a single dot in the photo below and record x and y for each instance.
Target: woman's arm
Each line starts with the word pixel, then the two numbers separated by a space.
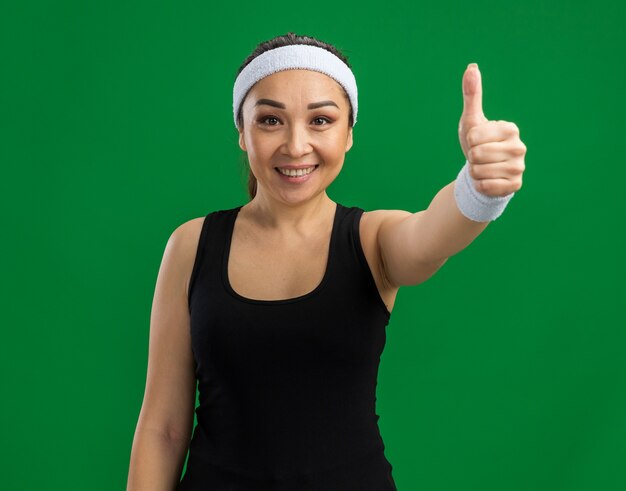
pixel 165 422
pixel 414 245
pixel 443 229
pixel 156 461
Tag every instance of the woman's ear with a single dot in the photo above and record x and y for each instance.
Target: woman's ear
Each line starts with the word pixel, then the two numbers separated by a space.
pixel 349 142
pixel 242 143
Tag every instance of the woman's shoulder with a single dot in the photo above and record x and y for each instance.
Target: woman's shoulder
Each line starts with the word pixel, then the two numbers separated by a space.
pixel 182 246
pixel 187 234
pixel 373 220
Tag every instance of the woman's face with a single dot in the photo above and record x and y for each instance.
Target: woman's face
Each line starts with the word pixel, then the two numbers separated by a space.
pixel 294 133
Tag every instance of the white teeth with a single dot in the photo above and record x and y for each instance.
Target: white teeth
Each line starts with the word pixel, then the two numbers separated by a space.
pixel 296 173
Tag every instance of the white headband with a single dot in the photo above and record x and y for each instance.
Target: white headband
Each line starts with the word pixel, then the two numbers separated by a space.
pixel 292 57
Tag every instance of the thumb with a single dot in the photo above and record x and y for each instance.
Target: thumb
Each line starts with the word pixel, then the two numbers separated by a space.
pixel 472 93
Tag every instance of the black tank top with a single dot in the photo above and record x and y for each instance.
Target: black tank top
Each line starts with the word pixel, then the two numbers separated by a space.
pixel 287 388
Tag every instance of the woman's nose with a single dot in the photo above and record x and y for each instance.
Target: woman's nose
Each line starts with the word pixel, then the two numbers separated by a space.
pixel 297 143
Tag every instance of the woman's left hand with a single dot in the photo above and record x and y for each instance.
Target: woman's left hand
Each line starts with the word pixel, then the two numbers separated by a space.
pixel 493 148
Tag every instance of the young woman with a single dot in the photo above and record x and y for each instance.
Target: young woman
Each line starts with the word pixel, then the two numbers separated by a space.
pixel 278 307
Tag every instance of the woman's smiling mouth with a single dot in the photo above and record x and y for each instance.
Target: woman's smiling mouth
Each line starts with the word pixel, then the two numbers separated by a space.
pixel 296 175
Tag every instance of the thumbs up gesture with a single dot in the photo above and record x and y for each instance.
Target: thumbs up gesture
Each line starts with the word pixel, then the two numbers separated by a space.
pixel 493 148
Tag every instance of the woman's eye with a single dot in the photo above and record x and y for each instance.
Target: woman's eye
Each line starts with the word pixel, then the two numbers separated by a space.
pixel 263 120
pixel 328 121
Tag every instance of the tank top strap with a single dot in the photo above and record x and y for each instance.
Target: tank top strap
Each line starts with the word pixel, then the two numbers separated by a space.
pixel 207 264
pixel 350 260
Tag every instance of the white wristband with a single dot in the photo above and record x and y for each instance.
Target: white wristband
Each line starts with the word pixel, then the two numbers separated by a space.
pixel 475 205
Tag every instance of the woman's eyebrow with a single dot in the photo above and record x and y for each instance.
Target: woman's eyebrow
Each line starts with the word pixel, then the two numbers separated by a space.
pixel 313 105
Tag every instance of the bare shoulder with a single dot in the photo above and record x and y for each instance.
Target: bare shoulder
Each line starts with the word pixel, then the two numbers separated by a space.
pixel 394 246
pixel 188 233
pixel 184 241
pixel 373 221
pixel 370 225
pixel 375 218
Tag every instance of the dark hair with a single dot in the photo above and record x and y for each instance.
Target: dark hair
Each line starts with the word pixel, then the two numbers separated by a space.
pixel 284 40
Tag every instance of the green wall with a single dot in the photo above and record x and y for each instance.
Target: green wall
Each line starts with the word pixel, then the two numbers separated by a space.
pixel 505 371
